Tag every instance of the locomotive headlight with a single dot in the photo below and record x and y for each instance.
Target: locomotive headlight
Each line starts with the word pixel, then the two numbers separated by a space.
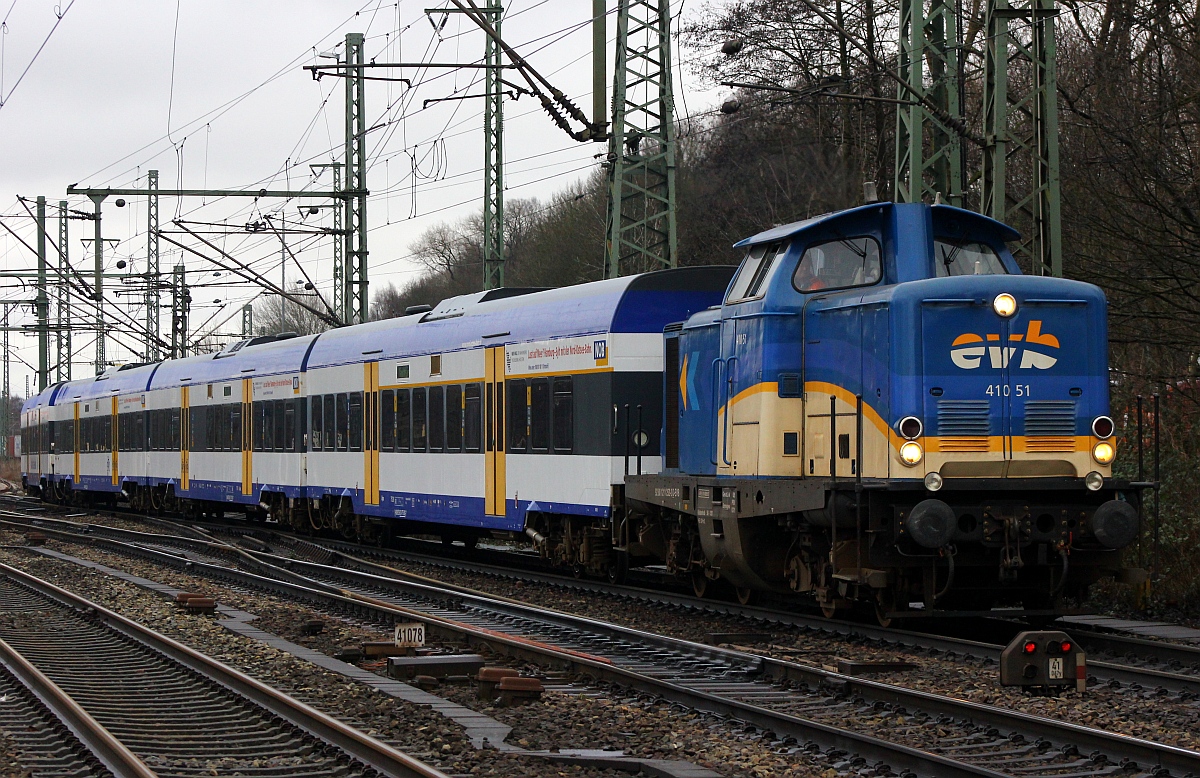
pixel 933 481
pixel 1103 452
pixel 911 453
pixel 910 427
pixel 1094 481
pixel 1102 427
pixel 1004 305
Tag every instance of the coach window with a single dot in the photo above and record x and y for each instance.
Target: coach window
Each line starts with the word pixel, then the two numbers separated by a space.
pixel 539 414
pixel 235 427
pixel 518 416
pixel 965 258
pixel 471 419
pixel 403 420
pixel 356 421
pixel 315 440
pixel 259 419
pixel 454 408
pixel 387 420
pixel 564 415
pixel 266 417
pixel 280 428
pixel 839 264
pixel 437 417
pixel 419 428
pixel 173 437
pixel 330 421
pixel 343 422
pixel 289 425
pixel 204 423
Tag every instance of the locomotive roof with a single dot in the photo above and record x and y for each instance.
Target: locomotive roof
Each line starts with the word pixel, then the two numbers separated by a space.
pixel 970 218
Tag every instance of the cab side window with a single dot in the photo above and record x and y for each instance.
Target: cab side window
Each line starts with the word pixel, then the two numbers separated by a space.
pixel 756 269
pixel 839 264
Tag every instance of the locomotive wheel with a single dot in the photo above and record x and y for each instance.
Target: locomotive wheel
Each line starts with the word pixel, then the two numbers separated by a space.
pixel 618 567
pixel 745 595
pixel 885 603
pixel 828 610
pixel 700 583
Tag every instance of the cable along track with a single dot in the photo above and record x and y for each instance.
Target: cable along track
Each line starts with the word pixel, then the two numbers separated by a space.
pixel 180 713
pixel 927 734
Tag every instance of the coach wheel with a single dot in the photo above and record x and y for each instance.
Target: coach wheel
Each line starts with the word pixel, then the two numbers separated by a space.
pixel 829 609
pixel 700 583
pixel 745 595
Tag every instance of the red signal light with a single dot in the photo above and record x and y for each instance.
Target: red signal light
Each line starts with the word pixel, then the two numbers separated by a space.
pixel 1030 647
pixel 1066 647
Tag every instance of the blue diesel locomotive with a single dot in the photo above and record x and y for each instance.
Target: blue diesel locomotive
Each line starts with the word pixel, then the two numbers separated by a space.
pixel 884 410
pixel 877 408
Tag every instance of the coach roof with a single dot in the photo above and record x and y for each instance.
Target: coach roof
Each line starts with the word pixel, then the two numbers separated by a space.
pixel 643 303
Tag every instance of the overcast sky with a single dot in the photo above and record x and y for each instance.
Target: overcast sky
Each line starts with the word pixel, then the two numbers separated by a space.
pixel 213 95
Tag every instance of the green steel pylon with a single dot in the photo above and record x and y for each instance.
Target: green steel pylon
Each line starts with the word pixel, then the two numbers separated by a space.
pixel 641 152
pixel 62 314
pixel 354 301
pixel 1023 127
pixel 928 151
pixel 153 282
pixel 493 158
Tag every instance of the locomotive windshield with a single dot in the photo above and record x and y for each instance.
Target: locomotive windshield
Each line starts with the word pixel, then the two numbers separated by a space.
pixel 965 258
pixel 839 264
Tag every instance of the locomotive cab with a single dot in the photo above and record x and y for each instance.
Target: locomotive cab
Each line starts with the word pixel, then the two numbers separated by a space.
pixel 884 409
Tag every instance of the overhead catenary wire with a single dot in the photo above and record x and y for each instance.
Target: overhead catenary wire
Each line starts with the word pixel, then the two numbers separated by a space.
pixel 430 156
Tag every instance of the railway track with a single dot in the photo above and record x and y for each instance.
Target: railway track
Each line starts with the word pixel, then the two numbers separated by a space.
pixel 919 732
pixel 140 704
pixel 1114 659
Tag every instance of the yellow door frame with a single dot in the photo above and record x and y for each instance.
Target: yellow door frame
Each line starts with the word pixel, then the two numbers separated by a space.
pixel 495 499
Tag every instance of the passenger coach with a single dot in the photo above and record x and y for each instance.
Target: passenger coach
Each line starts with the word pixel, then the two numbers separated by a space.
pixel 510 410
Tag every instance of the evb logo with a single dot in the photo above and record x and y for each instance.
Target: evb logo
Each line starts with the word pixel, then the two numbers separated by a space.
pixel 1032 350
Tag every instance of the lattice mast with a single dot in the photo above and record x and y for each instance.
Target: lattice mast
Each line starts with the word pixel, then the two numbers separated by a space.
pixel 929 158
pixel 641 156
pixel 1021 127
pixel 493 157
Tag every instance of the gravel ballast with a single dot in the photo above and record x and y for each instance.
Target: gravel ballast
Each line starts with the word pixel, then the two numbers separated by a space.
pixel 562 721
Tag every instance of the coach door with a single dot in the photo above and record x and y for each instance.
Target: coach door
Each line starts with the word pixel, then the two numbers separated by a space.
pixel 371 432
pixel 114 439
pixel 494 500
pixel 247 436
pixel 185 437
pixel 75 444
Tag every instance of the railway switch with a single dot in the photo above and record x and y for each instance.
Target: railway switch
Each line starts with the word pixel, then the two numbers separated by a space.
pixel 1043 661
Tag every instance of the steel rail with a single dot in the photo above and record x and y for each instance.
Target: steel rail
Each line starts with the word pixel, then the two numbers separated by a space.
pixel 1124 747
pixel 358 745
pixel 109 751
